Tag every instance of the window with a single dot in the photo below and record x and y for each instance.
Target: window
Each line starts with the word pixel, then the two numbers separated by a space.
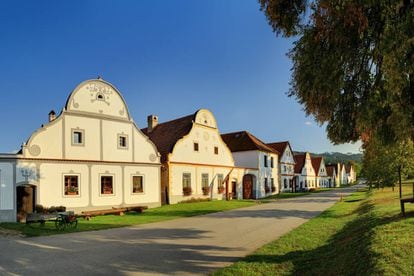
pixel 77 137
pixel 265 161
pixel 122 141
pixel 204 180
pixel 107 185
pixel 215 150
pixel 285 183
pixel 100 97
pixel 271 162
pixel 265 183
pixel 195 146
pixel 71 185
pixel 272 182
pixel 284 168
pixel 137 184
pixel 220 180
pixel 186 180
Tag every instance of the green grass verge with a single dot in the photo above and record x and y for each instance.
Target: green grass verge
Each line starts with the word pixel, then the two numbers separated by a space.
pixel 362 235
pixel 163 213
pixel 290 195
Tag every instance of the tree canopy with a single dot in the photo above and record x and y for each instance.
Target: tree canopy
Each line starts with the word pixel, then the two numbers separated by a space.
pixel 353 64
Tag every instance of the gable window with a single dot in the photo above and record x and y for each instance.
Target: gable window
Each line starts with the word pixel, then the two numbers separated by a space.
pixel 137 184
pixel 271 162
pixel 100 97
pixel 122 141
pixel 204 180
pixel 78 138
pixel 71 185
pixel 195 146
pixel 107 185
pixel 216 150
pixel 265 161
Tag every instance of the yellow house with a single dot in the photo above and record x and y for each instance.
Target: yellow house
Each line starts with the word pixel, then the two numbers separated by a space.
pixel 195 160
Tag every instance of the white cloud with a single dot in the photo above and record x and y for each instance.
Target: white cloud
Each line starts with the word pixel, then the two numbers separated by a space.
pixel 308 123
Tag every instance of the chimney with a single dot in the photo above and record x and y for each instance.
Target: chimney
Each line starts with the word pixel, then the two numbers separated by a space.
pixel 52 116
pixel 152 122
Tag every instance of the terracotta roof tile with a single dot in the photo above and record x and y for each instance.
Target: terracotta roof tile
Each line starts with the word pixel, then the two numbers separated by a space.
pixel 244 141
pixel 166 135
pixel 316 163
pixel 279 146
pixel 330 169
pixel 300 162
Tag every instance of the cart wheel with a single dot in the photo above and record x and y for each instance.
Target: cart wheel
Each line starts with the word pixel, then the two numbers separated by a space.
pixel 60 223
pixel 73 224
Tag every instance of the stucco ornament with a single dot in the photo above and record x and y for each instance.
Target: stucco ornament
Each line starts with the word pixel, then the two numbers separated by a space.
pixel 35 150
pixel 152 157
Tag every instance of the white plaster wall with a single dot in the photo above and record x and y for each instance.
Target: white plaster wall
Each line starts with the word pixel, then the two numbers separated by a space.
pixel 247 159
pixel 207 138
pixel 84 99
pixel 51 185
pixel 27 172
pixel 110 130
pixel 46 142
pixel 287 156
pixel 92 142
pixel 151 185
pixel 145 150
pixel 6 186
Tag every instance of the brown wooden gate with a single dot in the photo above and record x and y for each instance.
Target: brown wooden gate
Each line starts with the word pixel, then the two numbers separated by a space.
pixel 248 186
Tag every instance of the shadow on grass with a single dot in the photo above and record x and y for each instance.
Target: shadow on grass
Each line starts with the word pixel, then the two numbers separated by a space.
pixel 346 253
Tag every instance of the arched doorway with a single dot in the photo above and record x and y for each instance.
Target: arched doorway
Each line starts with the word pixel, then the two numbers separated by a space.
pixel 248 186
pixel 25 201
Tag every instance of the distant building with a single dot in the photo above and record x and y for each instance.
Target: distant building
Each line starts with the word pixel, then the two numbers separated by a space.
pixel 332 178
pixel 249 151
pixel 305 176
pixel 350 173
pixel 322 180
pixel 286 165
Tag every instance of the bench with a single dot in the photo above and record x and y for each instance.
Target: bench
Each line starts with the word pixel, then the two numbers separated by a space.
pixel 114 211
pixel 405 200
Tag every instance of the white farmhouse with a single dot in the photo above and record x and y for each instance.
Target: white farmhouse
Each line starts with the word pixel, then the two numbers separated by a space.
pixel 92 156
pixel 322 180
pixel 332 177
pixel 195 160
pixel 249 151
pixel 305 176
pixel 350 173
pixel 286 165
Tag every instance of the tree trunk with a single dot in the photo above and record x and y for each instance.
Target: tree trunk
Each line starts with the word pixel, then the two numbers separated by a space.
pixel 399 180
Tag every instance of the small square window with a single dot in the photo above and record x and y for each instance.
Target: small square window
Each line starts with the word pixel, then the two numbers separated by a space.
pixel 195 146
pixel 107 185
pixel 78 137
pixel 137 184
pixel 122 141
pixel 215 150
pixel 71 185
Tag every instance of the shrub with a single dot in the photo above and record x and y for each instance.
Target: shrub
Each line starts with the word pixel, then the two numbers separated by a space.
pixel 187 191
pixel 194 200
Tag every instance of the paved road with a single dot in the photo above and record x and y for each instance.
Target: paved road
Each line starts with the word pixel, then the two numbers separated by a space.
pixel 196 245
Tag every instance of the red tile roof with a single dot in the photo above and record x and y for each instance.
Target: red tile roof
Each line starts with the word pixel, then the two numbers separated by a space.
pixel 279 146
pixel 300 162
pixel 244 141
pixel 166 135
pixel 316 163
pixel 330 169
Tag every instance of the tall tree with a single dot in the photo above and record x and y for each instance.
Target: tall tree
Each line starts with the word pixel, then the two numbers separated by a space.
pixel 353 64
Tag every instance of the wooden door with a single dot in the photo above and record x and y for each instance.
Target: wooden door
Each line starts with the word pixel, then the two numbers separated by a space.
pixel 25 198
pixel 248 187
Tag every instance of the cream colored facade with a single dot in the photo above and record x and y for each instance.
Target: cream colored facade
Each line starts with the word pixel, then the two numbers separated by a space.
pixel 205 163
pixel 93 140
pixel 287 170
pixel 307 178
pixel 322 179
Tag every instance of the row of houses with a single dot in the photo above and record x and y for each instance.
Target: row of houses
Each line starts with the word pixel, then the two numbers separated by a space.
pixel 93 156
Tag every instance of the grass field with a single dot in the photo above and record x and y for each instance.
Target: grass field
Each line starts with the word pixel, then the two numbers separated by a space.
pixel 363 235
pixel 167 212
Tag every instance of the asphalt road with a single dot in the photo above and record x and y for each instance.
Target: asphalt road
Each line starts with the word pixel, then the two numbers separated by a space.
pixel 197 245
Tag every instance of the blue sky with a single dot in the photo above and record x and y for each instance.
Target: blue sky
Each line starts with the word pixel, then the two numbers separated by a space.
pixel 167 58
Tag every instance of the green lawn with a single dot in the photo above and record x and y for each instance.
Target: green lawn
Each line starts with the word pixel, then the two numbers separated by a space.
pixel 363 235
pixel 290 195
pixel 167 212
